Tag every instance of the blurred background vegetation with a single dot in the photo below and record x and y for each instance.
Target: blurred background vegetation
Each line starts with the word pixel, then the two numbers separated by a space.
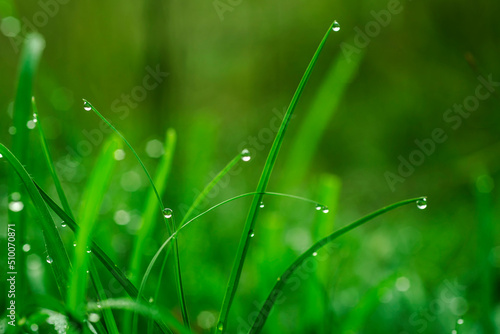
pixel 232 68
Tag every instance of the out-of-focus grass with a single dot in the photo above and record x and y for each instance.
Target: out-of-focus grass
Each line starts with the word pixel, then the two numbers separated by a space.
pixel 225 78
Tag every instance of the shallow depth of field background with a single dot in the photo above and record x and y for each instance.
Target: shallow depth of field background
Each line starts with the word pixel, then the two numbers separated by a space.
pixel 410 271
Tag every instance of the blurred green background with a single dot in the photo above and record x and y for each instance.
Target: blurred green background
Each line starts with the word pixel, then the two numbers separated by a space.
pixel 232 68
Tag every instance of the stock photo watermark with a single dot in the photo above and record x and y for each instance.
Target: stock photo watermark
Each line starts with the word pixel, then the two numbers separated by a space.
pixel 223 6
pixel 17 30
pixel 254 144
pixel 453 118
pixel 120 106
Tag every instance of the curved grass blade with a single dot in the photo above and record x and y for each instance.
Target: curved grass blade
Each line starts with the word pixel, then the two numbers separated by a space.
pixel 170 229
pixel 90 205
pixel 55 247
pixel 149 212
pixel 199 199
pixel 98 252
pixel 94 275
pixel 305 142
pixel 173 236
pixel 145 309
pixel 278 287
pixel 30 57
pixel 261 188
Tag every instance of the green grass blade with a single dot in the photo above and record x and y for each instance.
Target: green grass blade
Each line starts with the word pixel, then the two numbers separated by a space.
pixel 145 309
pixel 261 188
pixel 325 103
pixel 49 161
pixel 150 210
pixel 90 205
pixel 94 275
pixel 99 254
pixel 484 185
pixel 181 227
pixel 278 287
pixel 170 228
pixel 55 248
pixel 30 57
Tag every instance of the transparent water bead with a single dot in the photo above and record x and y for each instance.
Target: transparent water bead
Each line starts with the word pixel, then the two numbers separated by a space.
pixel 460 321
pixel 251 234
pixel 220 326
pixel 26 248
pixel 1 156
pixel 422 203
pixel 323 208
pixel 86 106
pixel 89 251
pixel 49 260
pixel 167 213
pixel 245 155
pixel 261 205
pixel 335 26
pixel 315 254
pixel 63 224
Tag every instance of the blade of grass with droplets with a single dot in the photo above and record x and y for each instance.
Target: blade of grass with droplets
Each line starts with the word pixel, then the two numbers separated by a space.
pixel 261 188
pixel 150 210
pixel 148 216
pixel 199 199
pixel 181 227
pixel 30 57
pixel 98 252
pixel 91 203
pixel 94 275
pixel 278 287
pixel 57 254
pixel 88 106
pixel 321 111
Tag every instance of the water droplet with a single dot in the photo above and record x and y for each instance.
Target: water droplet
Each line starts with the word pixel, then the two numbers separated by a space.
pixel 220 326
pixel 460 321
pixel 86 106
pixel 26 248
pixel 34 327
pixel 315 253
pixel 422 203
pixel 261 205
pixel 12 130
pixel 99 305
pixel 16 206
pixel 94 317
pixel 74 244
pixel 167 213
pixel 151 300
pixel 323 208
pixel 49 260
pixel 251 234
pixel 454 331
pixel 1 156
pixel 89 251
pixel 15 196
pixel 279 279
pixel 335 26
pixel 63 224
pixel 245 155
